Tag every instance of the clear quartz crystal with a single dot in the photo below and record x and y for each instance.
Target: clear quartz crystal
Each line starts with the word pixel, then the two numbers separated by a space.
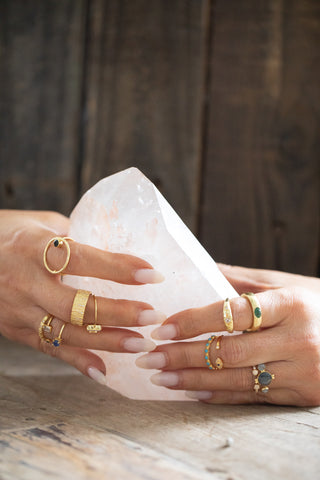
pixel 125 213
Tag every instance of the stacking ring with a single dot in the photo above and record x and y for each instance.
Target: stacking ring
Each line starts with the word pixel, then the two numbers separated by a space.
pixel 227 315
pixel 256 311
pixel 79 306
pixel 263 378
pixel 57 242
pixel 218 364
pixel 94 328
pixel 56 342
pixel 45 327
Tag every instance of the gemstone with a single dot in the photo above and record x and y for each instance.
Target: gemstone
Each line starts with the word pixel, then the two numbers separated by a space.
pixel 56 342
pixel 257 312
pixel 265 390
pixel 256 387
pixel 47 328
pixel 261 367
pixel 255 372
pixel 219 363
pixel 125 213
pixel 56 243
pixel 265 378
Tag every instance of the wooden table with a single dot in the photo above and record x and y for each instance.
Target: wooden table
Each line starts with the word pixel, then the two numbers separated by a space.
pixel 56 423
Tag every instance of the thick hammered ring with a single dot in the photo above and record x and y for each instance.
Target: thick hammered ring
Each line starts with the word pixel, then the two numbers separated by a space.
pixel 256 311
pixel 79 306
pixel 57 242
pixel 227 315
pixel 263 378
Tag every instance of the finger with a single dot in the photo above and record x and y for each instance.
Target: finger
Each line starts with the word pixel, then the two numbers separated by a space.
pixel 275 305
pixel 110 339
pixel 92 262
pixel 111 312
pixel 235 351
pixel 255 279
pixel 233 379
pixel 276 397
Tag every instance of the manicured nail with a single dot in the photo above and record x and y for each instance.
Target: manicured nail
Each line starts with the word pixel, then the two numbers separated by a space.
pixel 165 379
pixel 136 345
pixel 166 332
pixel 155 360
pixel 150 317
pixel 148 275
pixel 97 376
pixel 204 395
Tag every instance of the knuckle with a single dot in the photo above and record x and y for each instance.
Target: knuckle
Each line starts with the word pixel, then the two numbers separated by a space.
pixel 235 351
pixel 239 379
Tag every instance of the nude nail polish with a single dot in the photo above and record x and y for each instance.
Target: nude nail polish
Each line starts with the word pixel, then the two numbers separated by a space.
pixel 165 379
pixel 155 360
pixel 166 332
pixel 148 275
pixel 136 345
pixel 199 395
pixel 150 317
pixel 97 376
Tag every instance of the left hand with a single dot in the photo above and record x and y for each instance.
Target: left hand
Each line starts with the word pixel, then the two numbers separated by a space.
pixel 288 343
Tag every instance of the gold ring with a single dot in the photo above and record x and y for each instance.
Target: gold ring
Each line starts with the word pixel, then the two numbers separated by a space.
pixel 94 328
pixel 79 306
pixel 227 315
pixel 56 342
pixel 218 364
pixel 57 242
pixel 263 378
pixel 256 311
pixel 45 327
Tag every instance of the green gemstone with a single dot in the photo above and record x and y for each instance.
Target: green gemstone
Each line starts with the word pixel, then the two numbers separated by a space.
pixel 257 312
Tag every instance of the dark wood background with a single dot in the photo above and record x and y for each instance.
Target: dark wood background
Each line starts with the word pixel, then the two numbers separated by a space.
pixel 217 101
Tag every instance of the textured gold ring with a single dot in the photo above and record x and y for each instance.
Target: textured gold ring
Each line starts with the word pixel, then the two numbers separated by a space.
pixel 256 311
pixel 227 315
pixel 57 242
pixel 79 306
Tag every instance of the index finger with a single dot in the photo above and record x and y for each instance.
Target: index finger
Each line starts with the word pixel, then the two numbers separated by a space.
pixel 197 321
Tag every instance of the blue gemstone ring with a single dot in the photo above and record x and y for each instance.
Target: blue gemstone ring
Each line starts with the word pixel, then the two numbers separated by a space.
pixel 263 378
pixel 56 342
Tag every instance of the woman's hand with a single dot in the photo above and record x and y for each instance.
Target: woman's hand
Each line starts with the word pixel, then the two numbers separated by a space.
pixel 28 292
pixel 288 343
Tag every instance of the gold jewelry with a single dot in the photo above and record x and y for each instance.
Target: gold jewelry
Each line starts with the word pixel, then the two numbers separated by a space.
pixel 79 306
pixel 94 328
pixel 57 242
pixel 256 311
pixel 227 315
pixel 58 340
pixel 218 364
pixel 45 327
pixel 263 378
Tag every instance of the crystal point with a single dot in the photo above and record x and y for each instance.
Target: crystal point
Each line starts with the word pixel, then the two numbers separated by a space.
pixel 125 213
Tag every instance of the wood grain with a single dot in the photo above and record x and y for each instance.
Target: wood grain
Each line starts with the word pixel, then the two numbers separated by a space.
pixel 52 420
pixel 41 45
pixel 260 203
pixel 144 93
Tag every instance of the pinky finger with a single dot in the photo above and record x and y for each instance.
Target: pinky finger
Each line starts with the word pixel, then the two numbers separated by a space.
pixel 275 397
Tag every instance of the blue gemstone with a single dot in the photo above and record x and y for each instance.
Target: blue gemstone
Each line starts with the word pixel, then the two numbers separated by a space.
pixel 208 363
pixel 265 378
pixel 56 343
pixel 56 242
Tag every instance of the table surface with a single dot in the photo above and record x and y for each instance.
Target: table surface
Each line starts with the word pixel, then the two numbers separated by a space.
pixel 54 422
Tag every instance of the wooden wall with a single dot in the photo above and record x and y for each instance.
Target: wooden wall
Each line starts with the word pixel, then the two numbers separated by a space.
pixel 217 101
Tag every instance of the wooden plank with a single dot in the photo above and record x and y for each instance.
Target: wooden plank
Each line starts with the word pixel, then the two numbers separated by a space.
pixel 144 88
pixel 41 46
pixel 52 418
pixel 260 204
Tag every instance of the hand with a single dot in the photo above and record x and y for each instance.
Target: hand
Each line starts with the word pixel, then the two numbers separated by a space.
pixel 288 343
pixel 28 292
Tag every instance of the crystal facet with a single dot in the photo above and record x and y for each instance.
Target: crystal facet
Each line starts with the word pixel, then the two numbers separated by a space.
pixel 125 213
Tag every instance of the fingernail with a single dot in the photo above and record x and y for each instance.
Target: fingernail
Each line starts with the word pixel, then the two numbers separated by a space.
pixel 165 379
pixel 150 317
pixel 148 275
pixel 136 345
pixel 152 360
pixel 97 376
pixel 204 395
pixel 167 332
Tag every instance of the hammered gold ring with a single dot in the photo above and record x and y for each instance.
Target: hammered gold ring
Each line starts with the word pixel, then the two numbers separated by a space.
pixel 57 242
pixel 256 311
pixel 227 315
pixel 79 306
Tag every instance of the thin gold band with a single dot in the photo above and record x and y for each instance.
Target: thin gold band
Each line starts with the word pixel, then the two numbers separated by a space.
pixel 79 306
pixel 95 328
pixel 57 242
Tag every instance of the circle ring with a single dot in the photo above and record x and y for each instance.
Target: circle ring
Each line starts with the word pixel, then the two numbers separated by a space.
pixel 59 240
